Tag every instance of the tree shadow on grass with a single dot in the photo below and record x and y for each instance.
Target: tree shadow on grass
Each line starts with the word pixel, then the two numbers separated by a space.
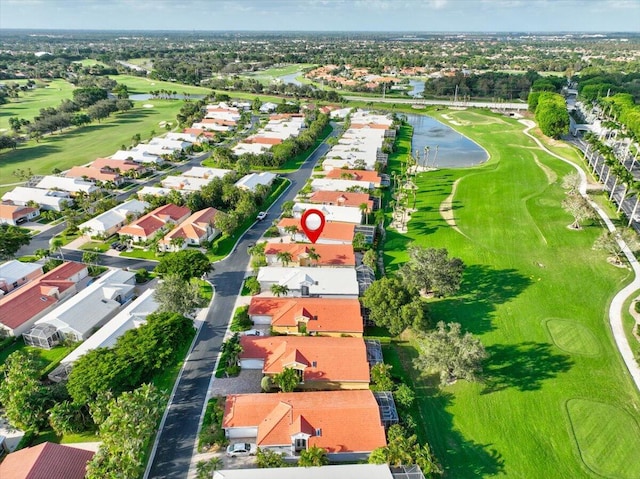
pixel 481 290
pixel 460 457
pixel 523 366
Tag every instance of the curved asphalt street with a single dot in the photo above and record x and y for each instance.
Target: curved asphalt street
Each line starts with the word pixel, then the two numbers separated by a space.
pixel 177 439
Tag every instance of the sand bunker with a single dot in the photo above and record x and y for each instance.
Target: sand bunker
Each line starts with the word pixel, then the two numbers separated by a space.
pixel 147 105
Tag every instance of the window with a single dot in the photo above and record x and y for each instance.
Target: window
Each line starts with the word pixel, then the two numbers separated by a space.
pixel 318 432
pixel 300 444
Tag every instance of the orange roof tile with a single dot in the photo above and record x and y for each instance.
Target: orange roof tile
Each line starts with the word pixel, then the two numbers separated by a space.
pixel 337 421
pixel 324 358
pixel 46 461
pixel 103 163
pixel 31 299
pixel 198 131
pixel 332 230
pixel 13 212
pixel 330 254
pixel 154 220
pixel 194 227
pixel 91 173
pixel 263 140
pixel 358 175
pixel 374 126
pixel 321 315
pixel 340 198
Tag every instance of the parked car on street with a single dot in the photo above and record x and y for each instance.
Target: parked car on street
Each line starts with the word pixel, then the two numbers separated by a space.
pixel 262 215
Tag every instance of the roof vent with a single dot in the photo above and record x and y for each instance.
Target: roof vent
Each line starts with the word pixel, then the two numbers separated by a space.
pixel 43 299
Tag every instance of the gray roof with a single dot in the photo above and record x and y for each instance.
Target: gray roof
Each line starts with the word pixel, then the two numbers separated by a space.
pixel 345 471
pixel 15 270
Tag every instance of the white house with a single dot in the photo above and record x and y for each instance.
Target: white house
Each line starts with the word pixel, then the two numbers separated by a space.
pixel 110 221
pixel 341 214
pixel 170 144
pixel 205 172
pixel 184 183
pixel 342 471
pixel 71 185
pixel 47 199
pixel 268 107
pixel 153 191
pixel 252 180
pixel 331 184
pixel 251 148
pixel 310 281
pixel 138 156
pixel 15 215
pixel 78 317
pixel 14 274
pixel 190 137
pixel 134 315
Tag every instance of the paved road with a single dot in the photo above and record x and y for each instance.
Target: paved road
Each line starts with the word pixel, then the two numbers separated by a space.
pixel 449 103
pixel 177 439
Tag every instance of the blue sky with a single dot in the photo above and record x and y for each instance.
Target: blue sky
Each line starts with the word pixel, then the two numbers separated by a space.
pixel 331 15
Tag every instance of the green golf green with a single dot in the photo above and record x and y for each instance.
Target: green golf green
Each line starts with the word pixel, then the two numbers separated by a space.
pixel 524 266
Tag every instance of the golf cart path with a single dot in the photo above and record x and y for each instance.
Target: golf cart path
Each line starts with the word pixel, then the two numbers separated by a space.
pixel 615 309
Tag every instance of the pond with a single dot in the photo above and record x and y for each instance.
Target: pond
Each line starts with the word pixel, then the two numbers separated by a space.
pixel 453 149
pixel 417 88
pixel 291 79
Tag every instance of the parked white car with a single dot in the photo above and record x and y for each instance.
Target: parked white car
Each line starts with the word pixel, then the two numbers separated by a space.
pixel 253 332
pixel 262 215
pixel 241 449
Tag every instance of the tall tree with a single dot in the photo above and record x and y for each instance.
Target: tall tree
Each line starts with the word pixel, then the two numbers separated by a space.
pixel 578 207
pixel 431 270
pixel 185 264
pixel 279 290
pixel 176 295
pixel 285 257
pixel 609 241
pixel 402 449
pixel 12 238
pixel 450 353
pixel 287 380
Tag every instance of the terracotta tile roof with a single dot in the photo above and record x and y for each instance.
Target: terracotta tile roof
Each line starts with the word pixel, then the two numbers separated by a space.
pixel 151 222
pixel 198 131
pixel 31 299
pixel 103 163
pixel 263 140
pixel 375 126
pixel 358 175
pixel 13 212
pixel 337 421
pixel 322 315
pixel 323 358
pixel 285 116
pixel 330 254
pixel 340 198
pixel 218 121
pixel 331 231
pixel 194 227
pixel 91 173
pixel 46 461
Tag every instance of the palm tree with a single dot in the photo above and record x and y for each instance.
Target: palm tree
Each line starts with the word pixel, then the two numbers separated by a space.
pixel 364 209
pixel 618 170
pixel 56 243
pixel 635 189
pixel 313 255
pixel 177 242
pixel 279 290
pixel 285 257
pixel 291 230
pixel 627 179
pixel 313 457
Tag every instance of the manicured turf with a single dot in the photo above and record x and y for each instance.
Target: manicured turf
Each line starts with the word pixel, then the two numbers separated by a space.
pixel 573 337
pixel 595 424
pixel 145 85
pixel 29 103
pixel 83 145
pixel 272 73
pixel 524 266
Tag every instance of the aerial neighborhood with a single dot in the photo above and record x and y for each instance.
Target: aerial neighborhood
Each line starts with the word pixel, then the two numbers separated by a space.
pixel 385 254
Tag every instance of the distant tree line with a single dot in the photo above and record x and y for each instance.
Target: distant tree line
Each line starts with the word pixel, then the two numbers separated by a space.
pixel 594 84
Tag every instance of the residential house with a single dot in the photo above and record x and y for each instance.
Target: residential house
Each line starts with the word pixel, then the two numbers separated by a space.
pixel 333 233
pixel 137 156
pixel 322 363
pixel 206 173
pixel 346 424
pixel 46 199
pixel 186 137
pixel 108 223
pixel 311 282
pixel 103 299
pixel 153 191
pixel 184 183
pixel 145 227
pixel 133 316
pixel 95 175
pixel 336 471
pixel 332 214
pixel 124 167
pixel 371 177
pixel 15 215
pixel 341 198
pixel 252 180
pixel 329 255
pixel 73 186
pixel 14 274
pixel 250 148
pixel 315 316
pixel 46 461
pixel 331 184
pixel 24 306
pixel 194 231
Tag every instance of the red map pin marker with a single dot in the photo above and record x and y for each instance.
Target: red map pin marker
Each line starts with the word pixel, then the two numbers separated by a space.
pixel 312 223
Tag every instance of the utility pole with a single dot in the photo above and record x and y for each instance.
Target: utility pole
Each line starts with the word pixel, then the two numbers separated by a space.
pixel 455 95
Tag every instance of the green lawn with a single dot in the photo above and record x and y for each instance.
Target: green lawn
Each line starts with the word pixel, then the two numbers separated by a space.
pixel 29 103
pixel 141 254
pixel 83 145
pixel 537 296
pixel 145 85
pixel 273 73
pixel 49 357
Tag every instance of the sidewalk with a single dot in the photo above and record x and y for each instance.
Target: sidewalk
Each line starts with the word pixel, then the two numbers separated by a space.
pixel 615 309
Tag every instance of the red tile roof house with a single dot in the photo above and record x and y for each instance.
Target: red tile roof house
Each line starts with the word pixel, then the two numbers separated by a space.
pixel 340 198
pixel 331 255
pixel 314 316
pixel 15 214
pixel 90 173
pixel 193 231
pixel 46 461
pixel 323 363
pixel 122 166
pixel 357 175
pixel 147 226
pixel 346 424
pixel 23 307
pixel 333 233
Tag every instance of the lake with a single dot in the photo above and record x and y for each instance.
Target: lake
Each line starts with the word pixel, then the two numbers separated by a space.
pixel 454 149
